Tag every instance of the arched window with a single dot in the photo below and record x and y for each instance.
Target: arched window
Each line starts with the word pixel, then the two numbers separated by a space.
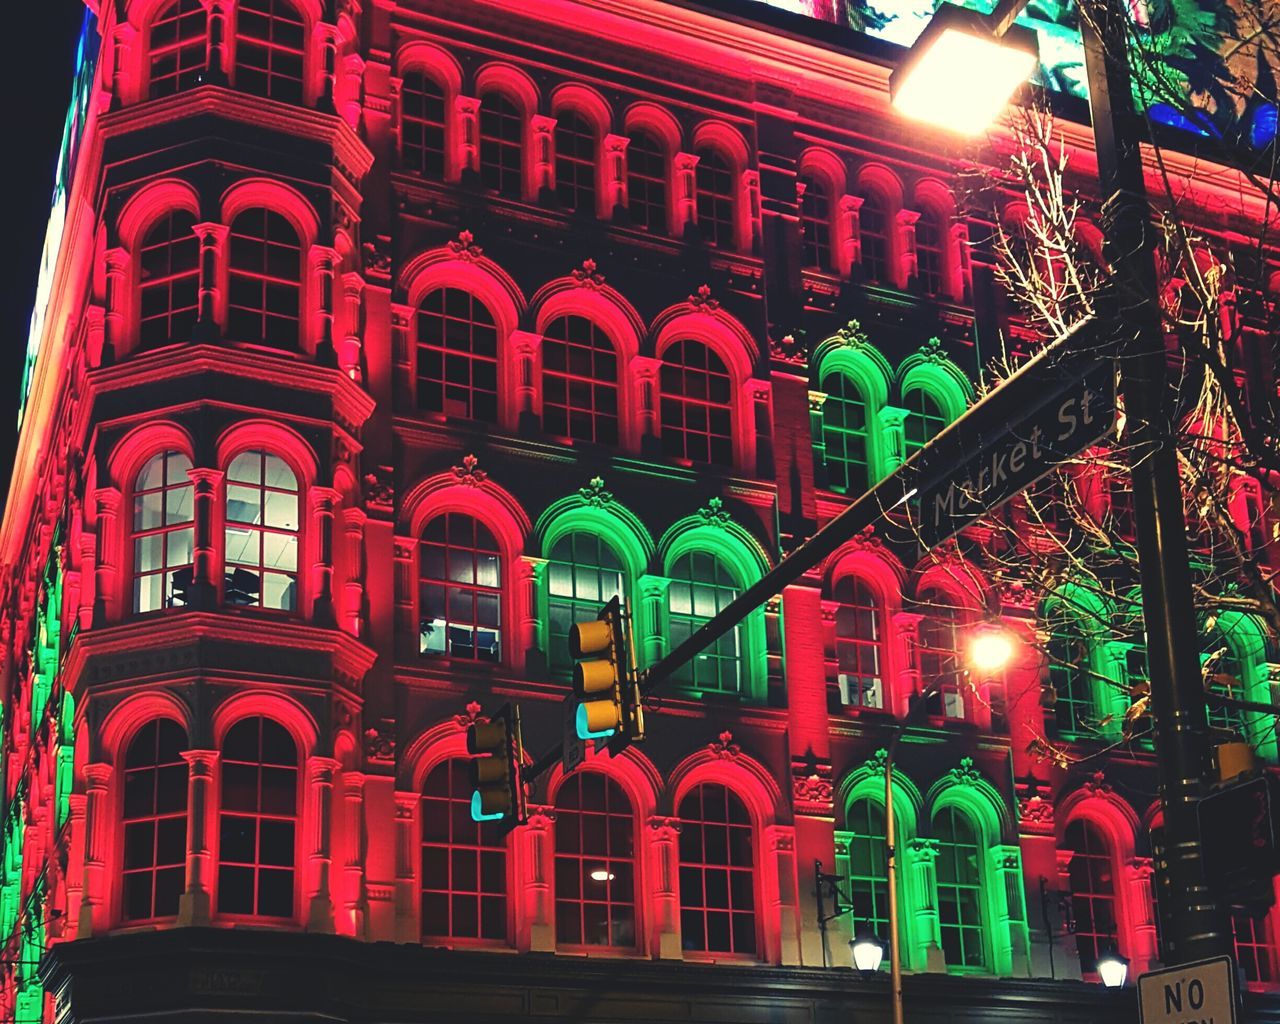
pixel 647 182
pixel 717 872
pixel 714 179
pixel 583 573
pixel 460 589
pixel 501 144
pixel 422 121
pixel 923 422
pixel 939 658
pixel 930 252
pixel 1070 674
pixel 155 822
pixel 595 863
pixel 844 435
pixel 163 532
pixel 697 403
pixel 169 280
pixel 576 162
pixel 457 356
pixel 873 228
pixel 579 381
pixel 178 47
pixel 270 43
pixel 868 869
pixel 815 222
pixel 859 643
pixel 464 862
pixel 959 872
pixel 258 823
pixel 701 585
pixel 262 532
pixel 1252 937
pixel 1093 892
pixel 265 274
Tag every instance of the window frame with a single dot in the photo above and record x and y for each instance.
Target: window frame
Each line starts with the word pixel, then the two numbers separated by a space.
pixel 161 16
pixel 758 953
pixel 507 627
pixel 120 914
pixel 506 146
pixel 698 406
pixel 305 96
pixel 428 77
pixel 302 482
pixel 133 533
pixel 299 819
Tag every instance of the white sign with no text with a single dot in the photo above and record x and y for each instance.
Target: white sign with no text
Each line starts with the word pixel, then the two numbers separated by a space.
pixel 1199 993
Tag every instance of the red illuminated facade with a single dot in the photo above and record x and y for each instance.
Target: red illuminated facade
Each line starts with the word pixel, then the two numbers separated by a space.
pixel 386 341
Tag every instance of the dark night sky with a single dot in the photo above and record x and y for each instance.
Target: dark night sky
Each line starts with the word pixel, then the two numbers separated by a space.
pixel 35 78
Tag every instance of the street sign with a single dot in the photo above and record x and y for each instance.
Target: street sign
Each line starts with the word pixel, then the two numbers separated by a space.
pixel 1199 993
pixel 1043 415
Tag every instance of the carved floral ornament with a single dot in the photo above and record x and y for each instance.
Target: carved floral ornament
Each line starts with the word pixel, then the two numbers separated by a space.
pixel 724 747
pixel 464 247
pixel 380 742
pixel 594 494
pixel 811 787
pixel 701 299
pixel 467 474
pixel 966 774
pixel 788 349
pixel 851 335
pixel 586 276
pixel 931 352
pixel 379 486
pixel 468 716
pixel 713 513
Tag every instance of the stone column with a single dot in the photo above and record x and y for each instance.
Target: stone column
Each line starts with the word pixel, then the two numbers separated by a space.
pixel 194 907
pixel 213 244
pixel 780 841
pixel 664 860
pixel 614 191
pixel 328 40
pixel 759 395
pixel 749 216
pixel 107 569
pixel 323 500
pixel 650 639
pixel 529 572
pixel 325 261
pixel 645 370
pixel 919 862
pixel 352 618
pixel 683 212
pixel 848 235
pixel 537 932
pixel 468 112
pixel 117 295
pixel 78 802
pixel 542 167
pixel 349 354
pixel 94 897
pixel 909 267
pixel 1009 931
pixel 522 414
pixel 320 771
pixel 893 439
pixel 353 896
pixel 407 928
pixel 205 570
pixel 1139 902
pixel 218 68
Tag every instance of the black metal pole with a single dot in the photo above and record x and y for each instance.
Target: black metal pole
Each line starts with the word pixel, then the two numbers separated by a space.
pixel 1199 926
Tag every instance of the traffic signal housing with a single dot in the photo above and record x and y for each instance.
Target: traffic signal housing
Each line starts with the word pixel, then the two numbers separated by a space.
pixel 604 682
pixel 1238 836
pixel 496 768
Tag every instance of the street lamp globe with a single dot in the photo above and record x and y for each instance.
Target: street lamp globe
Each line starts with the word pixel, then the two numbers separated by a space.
pixel 868 953
pixel 961 73
pixel 1113 969
pixel 990 649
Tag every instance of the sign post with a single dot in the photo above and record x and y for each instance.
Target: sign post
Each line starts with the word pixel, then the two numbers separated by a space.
pixel 1198 993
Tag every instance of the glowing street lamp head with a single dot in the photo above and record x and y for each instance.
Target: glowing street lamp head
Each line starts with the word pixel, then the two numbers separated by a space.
pixel 959 75
pixel 1113 969
pixel 990 650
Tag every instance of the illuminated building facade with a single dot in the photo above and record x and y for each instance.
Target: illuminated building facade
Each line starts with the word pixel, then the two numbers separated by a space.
pixel 385 340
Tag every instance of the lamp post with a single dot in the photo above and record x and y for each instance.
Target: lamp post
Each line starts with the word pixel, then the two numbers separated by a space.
pixel 990 649
pixel 1199 927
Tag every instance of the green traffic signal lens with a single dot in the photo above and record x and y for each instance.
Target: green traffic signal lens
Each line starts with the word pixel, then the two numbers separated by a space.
pixel 597 719
pixel 482 806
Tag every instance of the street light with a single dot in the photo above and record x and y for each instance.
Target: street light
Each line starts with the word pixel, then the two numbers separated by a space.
pixel 1113 969
pixel 1199 925
pixel 963 71
pixel 868 953
pixel 990 649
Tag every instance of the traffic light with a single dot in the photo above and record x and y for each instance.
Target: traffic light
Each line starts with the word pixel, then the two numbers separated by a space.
pixel 603 680
pixel 1239 841
pixel 496 769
